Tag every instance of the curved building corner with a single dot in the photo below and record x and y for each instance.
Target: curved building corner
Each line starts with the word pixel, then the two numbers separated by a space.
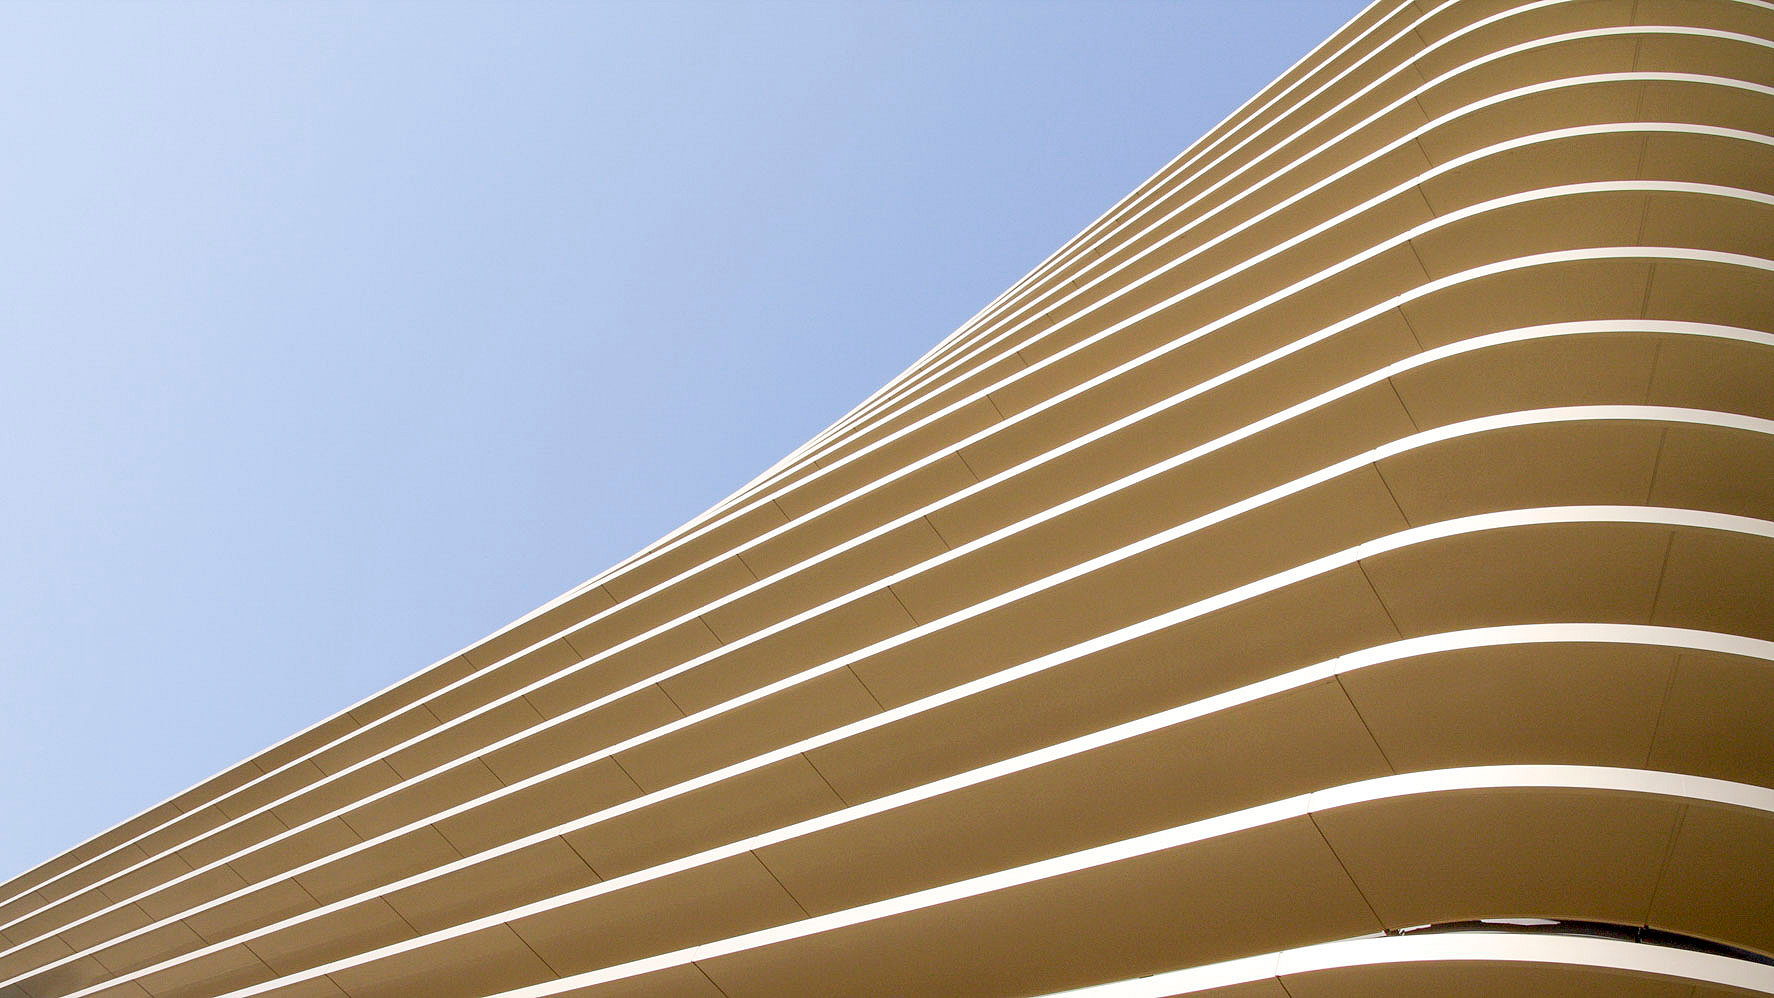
pixel 1344 568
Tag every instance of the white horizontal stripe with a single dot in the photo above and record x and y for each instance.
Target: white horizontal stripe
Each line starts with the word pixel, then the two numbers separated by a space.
pixel 1065 507
pixel 1519 634
pixel 1158 181
pixel 599 616
pixel 595 580
pixel 1448 947
pixel 1402 539
pixel 1391 370
pixel 1456 163
pixel 1580 413
pixel 1171 175
pixel 1398 103
pixel 1391 72
pixel 1600 778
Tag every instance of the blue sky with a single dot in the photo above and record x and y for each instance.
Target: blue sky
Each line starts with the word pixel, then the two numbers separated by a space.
pixel 334 336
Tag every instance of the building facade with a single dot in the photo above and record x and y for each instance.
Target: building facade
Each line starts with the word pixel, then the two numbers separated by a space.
pixel 1344 568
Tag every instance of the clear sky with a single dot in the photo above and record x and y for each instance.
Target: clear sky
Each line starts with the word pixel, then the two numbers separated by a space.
pixel 334 336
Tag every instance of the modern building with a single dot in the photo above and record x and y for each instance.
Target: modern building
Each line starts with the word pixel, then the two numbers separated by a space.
pixel 1344 568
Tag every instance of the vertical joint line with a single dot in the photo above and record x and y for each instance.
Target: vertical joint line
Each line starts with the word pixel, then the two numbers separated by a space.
pixel 1675 667
pixel 1656 361
pixel 1392 496
pixel 865 688
pixel 1364 725
pixel 1656 467
pixel 1362 567
pixel 532 950
pixel 823 779
pixel 1675 834
pixel 1345 868
pixel 1662 571
pixel 710 980
pixel 753 853
pixel 1409 326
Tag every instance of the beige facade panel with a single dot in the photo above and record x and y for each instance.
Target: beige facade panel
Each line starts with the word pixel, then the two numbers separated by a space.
pixel 1367 523
pixel 361 821
pixel 1272 866
pixel 1210 764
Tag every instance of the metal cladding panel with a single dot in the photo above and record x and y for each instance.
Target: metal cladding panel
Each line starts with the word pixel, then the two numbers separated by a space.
pixel 1367 522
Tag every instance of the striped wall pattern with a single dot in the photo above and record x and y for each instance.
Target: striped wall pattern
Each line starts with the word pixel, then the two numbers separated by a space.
pixel 1365 524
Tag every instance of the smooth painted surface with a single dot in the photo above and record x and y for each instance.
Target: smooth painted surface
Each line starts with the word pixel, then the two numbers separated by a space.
pixel 1365 523
pixel 336 336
